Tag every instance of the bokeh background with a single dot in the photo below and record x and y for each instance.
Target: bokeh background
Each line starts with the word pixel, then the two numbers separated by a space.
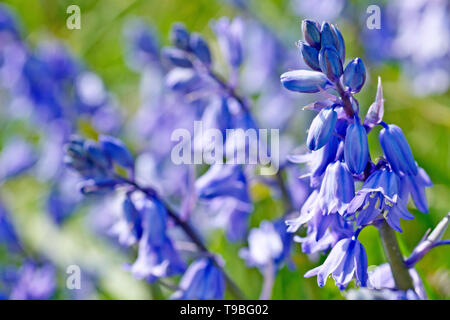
pixel 416 98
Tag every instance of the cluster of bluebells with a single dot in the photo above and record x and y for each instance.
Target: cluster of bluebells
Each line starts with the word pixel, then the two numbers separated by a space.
pixel 178 86
pixel 52 91
pixel 336 212
pixel 108 166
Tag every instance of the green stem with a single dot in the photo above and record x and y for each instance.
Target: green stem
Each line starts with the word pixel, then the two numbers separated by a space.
pixel 400 272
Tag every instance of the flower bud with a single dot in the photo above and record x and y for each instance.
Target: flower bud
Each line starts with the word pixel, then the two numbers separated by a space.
pixel 310 55
pixel 330 63
pixel 184 80
pixel 327 36
pixel 355 75
pixel 304 81
pixel 321 129
pixel 311 33
pixel 341 42
pixel 117 151
pixel 356 148
pixel 97 186
pixel 179 36
pixel 97 155
pixel 200 48
pixel 397 150
pixel 176 57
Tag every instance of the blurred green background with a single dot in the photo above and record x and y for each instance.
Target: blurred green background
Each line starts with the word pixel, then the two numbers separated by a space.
pixel 99 43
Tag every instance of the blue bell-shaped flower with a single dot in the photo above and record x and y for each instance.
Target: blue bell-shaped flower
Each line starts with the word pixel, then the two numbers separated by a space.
pixel 321 129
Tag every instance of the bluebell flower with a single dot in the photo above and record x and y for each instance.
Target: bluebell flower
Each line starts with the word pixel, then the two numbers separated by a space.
pixel 397 150
pixel 346 259
pixel 356 147
pixel 117 151
pixel 327 36
pixel 318 160
pixel 321 128
pixel 330 63
pixel 176 57
pixel 380 195
pixel 304 81
pixel 200 48
pixel 183 80
pixel 226 190
pixel 157 256
pixel 415 186
pixel 311 33
pixel 355 75
pixel 230 36
pixel 202 281
pixel 268 244
pixel 34 282
pixel 140 44
pixel 337 189
pixel 310 55
pixel 179 36
pixel 341 42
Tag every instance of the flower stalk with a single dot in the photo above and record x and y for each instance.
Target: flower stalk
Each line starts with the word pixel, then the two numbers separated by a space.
pixel 400 272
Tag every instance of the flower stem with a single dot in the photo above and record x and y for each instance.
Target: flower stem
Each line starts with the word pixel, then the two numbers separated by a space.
pixel 400 272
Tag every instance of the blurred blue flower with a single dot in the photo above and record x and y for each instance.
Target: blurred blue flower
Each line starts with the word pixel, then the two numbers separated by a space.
pixel 202 281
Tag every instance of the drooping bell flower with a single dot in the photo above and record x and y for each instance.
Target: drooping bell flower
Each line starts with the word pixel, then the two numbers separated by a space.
pixel 318 160
pixel 203 280
pixel 347 259
pixel 380 195
pixel 321 129
pixel 157 256
pixel 415 186
pixel 356 147
pixel 397 150
pixel 337 189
